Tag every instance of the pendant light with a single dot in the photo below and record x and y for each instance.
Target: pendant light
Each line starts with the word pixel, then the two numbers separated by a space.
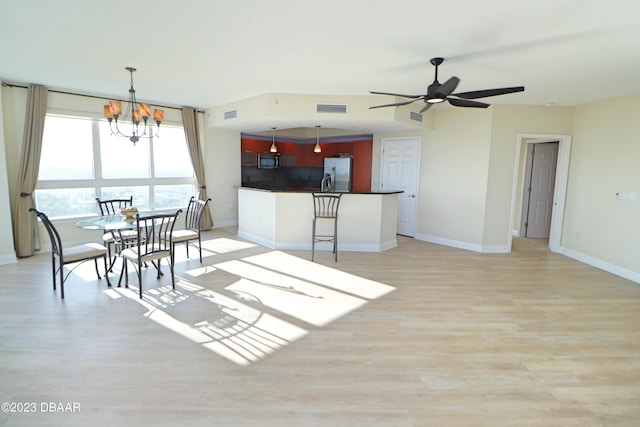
pixel 317 148
pixel 273 148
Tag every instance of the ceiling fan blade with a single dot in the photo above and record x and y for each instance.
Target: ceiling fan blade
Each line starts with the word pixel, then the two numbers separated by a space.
pixel 489 92
pixel 396 94
pixel 466 103
pixel 447 87
pixel 425 108
pixel 395 104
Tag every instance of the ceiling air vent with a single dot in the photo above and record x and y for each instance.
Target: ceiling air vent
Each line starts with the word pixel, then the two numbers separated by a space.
pixel 230 114
pixel 331 108
pixel 415 116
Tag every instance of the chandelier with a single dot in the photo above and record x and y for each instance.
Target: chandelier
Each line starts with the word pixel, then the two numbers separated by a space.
pixel 140 114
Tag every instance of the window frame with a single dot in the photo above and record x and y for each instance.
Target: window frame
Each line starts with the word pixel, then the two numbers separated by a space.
pixel 98 182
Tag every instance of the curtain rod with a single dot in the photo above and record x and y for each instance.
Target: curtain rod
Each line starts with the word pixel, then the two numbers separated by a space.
pixel 6 84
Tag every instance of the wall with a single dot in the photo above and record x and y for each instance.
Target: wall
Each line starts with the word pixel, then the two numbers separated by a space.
pixel 222 168
pixel 598 228
pixel 453 183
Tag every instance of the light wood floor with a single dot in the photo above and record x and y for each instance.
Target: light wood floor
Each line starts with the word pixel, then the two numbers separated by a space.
pixel 420 335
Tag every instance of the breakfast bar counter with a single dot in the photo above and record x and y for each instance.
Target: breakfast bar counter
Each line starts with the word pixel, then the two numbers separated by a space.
pixel 281 219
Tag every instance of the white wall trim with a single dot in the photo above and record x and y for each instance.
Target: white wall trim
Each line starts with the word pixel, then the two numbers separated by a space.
pixel 320 246
pixel 449 242
pixel 8 259
pixel 602 265
pixel 256 239
pixel 223 224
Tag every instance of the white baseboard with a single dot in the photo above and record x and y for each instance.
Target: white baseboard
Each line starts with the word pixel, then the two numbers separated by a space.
pixel 223 224
pixel 602 265
pixel 320 246
pixel 8 259
pixel 463 245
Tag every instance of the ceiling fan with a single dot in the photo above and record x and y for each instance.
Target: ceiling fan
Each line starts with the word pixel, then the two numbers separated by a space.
pixel 439 92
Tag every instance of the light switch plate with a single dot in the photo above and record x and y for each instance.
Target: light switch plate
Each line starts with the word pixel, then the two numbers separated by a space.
pixel 628 197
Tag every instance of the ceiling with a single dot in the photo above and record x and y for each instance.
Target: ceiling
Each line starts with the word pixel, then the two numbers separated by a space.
pixel 206 54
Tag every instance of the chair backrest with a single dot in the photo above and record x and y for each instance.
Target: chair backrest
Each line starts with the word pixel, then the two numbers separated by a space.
pixel 112 206
pixel 325 205
pixel 193 216
pixel 154 232
pixel 56 242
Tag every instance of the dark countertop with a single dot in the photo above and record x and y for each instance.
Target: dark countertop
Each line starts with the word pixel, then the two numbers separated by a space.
pixel 312 190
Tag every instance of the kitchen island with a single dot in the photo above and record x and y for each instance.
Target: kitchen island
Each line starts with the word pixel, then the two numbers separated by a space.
pixel 281 219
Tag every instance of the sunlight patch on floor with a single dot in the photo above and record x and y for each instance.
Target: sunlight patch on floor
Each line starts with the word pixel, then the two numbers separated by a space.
pixel 200 271
pixel 316 273
pixel 241 322
pixel 313 304
pixel 224 245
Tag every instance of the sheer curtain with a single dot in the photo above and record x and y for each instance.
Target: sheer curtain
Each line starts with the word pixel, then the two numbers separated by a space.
pixel 24 224
pixel 190 123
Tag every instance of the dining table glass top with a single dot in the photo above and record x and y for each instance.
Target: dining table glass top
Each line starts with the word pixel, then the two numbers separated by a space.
pixel 108 223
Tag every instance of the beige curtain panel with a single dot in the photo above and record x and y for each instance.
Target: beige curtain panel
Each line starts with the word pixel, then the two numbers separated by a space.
pixel 190 123
pixel 24 223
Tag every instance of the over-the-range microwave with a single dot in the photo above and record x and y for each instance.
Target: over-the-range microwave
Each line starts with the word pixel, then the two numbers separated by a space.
pixel 268 160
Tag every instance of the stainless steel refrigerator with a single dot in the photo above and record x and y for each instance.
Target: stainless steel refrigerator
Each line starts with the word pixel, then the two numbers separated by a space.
pixel 340 169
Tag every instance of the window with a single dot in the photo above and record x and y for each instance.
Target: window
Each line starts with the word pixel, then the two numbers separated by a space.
pixel 82 160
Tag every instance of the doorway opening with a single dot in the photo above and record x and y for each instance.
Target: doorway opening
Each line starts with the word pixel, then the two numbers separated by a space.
pixel 559 186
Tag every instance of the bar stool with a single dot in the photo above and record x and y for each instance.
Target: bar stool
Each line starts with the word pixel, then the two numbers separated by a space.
pixel 325 207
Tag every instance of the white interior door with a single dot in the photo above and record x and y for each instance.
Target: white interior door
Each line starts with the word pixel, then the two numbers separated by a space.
pixel 400 171
pixel 538 200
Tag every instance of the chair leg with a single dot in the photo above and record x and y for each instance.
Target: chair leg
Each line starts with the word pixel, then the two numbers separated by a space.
pixel 106 271
pixel 61 281
pixel 95 261
pixel 313 239
pixel 200 248
pixel 139 279
pixel 335 240
pixel 125 266
pixel 173 277
pixel 53 270
pixel 111 260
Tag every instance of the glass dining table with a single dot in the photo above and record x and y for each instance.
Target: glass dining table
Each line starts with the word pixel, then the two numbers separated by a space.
pixel 108 223
pixel 122 230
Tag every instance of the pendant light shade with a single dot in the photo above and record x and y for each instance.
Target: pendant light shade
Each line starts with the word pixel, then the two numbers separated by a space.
pixel 273 148
pixel 317 148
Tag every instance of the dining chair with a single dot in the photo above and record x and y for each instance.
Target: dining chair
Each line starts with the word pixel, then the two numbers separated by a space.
pixel 112 207
pixel 71 255
pixel 154 242
pixel 325 208
pixel 191 231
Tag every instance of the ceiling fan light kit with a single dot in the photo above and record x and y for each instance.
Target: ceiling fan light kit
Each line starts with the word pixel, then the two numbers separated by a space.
pixel 439 92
